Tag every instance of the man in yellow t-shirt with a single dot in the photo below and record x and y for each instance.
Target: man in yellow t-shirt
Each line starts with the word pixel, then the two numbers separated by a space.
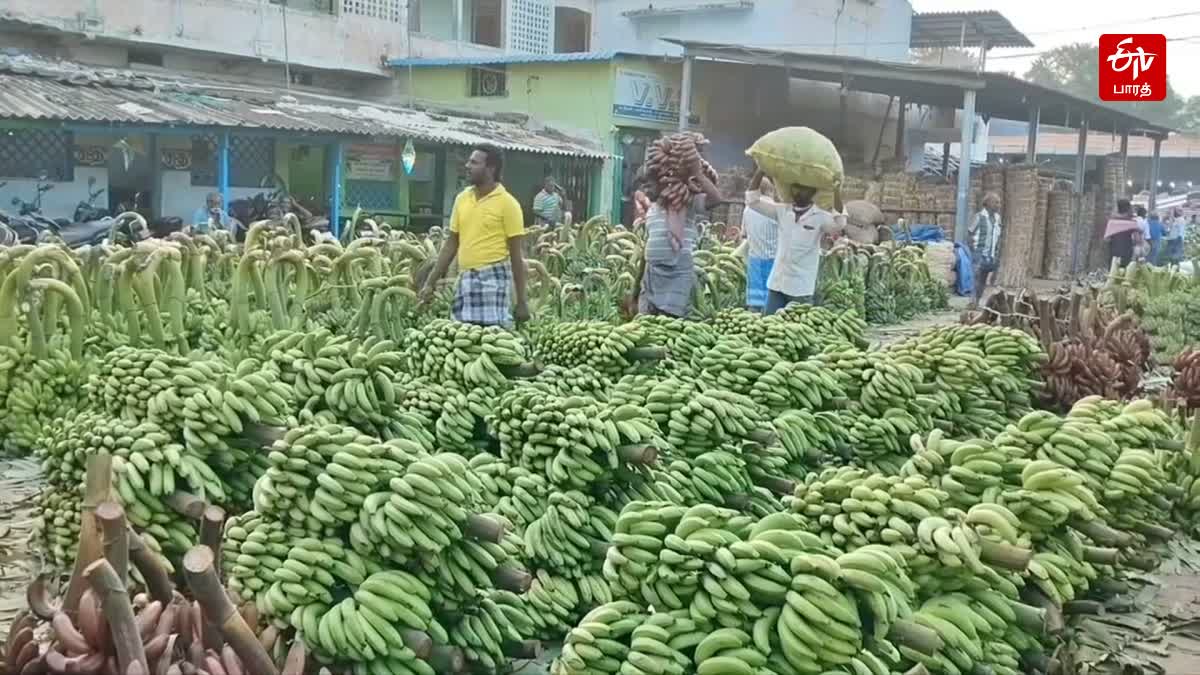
pixel 486 229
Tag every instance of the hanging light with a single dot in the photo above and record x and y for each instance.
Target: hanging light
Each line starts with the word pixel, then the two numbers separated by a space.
pixel 409 157
pixel 1128 183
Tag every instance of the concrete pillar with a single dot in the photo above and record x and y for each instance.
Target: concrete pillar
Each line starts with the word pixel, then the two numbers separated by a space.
pixel 685 94
pixel 901 114
pixel 1035 120
pixel 964 166
pixel 1154 174
pixel 1077 188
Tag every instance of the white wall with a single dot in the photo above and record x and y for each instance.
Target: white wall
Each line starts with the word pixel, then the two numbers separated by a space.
pixel 879 30
pixel 180 198
pixel 59 202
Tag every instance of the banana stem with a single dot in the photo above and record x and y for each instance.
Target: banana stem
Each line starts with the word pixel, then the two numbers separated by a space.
pixel 97 488
pixel 779 486
pixel 1144 561
pixel 75 310
pixel 212 524
pixel 638 454
pixel 186 504
pixel 916 637
pixel 763 436
pixel 37 335
pixel 1074 607
pixel 114 599
pixel 202 578
pixel 525 649
pixel 1100 556
pixel 1153 531
pixel 158 582
pixel 1101 533
pixel 111 518
pixel 484 528
pixel 643 354
pixel 524 370
pixel 447 660
pixel 512 579
pixel 1041 618
pixel 419 642
pixel 1004 555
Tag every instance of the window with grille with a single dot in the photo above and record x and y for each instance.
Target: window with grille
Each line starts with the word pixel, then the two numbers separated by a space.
pixel 251 160
pixel 387 10
pixel 531 26
pixel 488 81
pixel 487 22
pixel 318 6
pixel 32 153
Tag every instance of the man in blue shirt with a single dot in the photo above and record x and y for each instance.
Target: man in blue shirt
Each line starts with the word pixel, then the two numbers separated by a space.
pixel 211 214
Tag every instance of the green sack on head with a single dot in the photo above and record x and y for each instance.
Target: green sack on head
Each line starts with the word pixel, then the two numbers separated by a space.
pixel 798 156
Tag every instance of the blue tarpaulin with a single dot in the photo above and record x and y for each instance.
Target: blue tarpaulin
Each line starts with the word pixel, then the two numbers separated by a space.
pixel 966 272
pixel 921 233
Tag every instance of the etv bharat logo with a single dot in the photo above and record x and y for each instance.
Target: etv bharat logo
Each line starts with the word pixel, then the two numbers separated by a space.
pixel 1133 67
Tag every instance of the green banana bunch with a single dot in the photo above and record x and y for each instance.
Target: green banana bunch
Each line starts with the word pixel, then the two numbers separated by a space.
pixel 609 348
pixel 632 389
pixel 526 501
pixel 495 477
pixel 849 507
pixel 58 532
pixel 972 634
pixel 847 365
pixel 838 329
pixel 312 570
pixel 425 509
pixel 713 477
pixel 448 415
pixel 658 645
pixel 566 535
pixel 637 541
pixel 789 340
pixel 798 386
pixel 819 622
pixel 253 547
pixel 552 605
pixel 696 419
pixel 682 338
pixel 879 302
pixel 734 364
pixel 1054 493
pixel 469 355
pixel 600 642
pixel 483 631
pixel 808 437
pixel 579 380
pixel 39 392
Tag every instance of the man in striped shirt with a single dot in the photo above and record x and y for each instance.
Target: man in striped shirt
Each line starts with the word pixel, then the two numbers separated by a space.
pixel 548 204
pixel 762 238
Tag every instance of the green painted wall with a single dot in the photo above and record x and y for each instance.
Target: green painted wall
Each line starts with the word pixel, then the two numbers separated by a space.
pixel 572 96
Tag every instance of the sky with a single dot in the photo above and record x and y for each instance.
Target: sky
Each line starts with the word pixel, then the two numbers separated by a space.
pixel 1051 23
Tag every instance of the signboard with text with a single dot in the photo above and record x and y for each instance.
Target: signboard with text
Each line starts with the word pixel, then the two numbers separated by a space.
pixel 645 96
pixel 372 162
pixel 1133 67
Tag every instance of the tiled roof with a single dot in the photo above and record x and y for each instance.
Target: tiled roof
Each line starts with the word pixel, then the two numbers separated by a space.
pixel 507 59
pixel 32 89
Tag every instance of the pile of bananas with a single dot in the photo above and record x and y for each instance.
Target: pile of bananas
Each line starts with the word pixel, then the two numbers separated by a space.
pixel 842 280
pixel 879 303
pixel 734 364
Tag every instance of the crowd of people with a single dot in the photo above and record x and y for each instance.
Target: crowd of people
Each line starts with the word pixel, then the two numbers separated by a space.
pixel 783 242
pixel 1135 234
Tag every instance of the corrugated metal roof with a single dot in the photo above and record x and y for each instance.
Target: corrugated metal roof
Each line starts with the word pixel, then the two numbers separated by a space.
pixel 58 91
pixel 507 59
pixel 1177 146
pixel 968 29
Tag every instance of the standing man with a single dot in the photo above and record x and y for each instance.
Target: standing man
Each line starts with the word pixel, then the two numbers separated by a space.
pixel 211 215
pixel 1173 239
pixel 762 237
pixel 1154 226
pixel 802 223
pixel 486 229
pixel 548 204
pixel 984 238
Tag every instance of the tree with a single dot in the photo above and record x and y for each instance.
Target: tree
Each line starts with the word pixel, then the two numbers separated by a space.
pixel 1075 69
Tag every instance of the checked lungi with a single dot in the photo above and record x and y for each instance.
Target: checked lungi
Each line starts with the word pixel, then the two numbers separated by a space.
pixel 483 296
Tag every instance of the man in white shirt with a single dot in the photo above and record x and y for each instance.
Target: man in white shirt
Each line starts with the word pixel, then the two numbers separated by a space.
pixel 762 240
pixel 798 254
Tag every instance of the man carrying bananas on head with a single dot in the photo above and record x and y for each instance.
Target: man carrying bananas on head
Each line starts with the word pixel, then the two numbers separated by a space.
pixel 802 224
pixel 486 229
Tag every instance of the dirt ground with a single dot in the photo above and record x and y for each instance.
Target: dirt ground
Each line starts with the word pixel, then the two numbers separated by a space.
pixel 20 481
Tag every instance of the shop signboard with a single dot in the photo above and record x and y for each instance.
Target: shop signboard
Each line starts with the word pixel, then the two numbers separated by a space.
pixel 645 96
pixel 372 162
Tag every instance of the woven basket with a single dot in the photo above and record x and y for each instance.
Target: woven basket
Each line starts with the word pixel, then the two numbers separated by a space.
pixel 941 259
pixel 1019 222
pixel 1037 258
pixel 1112 188
pixel 1059 215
